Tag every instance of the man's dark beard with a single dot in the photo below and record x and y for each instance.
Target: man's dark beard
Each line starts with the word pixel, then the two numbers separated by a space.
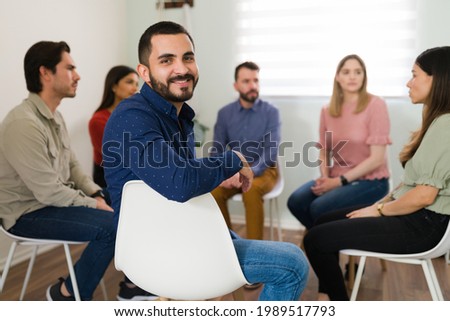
pixel 248 99
pixel 164 91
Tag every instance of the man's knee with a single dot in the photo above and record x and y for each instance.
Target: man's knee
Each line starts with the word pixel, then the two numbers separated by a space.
pixel 297 266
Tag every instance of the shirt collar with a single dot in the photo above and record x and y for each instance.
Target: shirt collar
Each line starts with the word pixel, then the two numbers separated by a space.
pixel 41 107
pixel 168 108
pixel 256 105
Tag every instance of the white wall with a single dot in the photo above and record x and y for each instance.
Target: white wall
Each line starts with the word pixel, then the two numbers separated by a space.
pixel 96 31
pixel 103 33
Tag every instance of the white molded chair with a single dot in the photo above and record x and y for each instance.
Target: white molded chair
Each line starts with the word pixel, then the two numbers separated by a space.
pixel 35 243
pixel 272 197
pixel 423 259
pixel 181 251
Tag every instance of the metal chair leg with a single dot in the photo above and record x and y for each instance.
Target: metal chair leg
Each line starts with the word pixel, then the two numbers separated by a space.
pixel 29 269
pixel 12 249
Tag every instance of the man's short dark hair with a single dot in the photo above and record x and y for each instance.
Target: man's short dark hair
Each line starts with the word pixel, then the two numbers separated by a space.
pixel 248 64
pixel 160 28
pixel 44 53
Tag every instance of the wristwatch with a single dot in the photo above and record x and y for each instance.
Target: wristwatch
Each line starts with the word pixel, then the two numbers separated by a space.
pixel 98 193
pixel 380 209
pixel 344 181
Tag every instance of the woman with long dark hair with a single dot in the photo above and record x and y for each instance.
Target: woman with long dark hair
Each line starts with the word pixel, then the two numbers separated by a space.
pixel 121 82
pixel 414 217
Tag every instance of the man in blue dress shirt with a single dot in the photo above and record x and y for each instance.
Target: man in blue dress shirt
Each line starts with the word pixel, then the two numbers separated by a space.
pixel 149 137
pixel 251 126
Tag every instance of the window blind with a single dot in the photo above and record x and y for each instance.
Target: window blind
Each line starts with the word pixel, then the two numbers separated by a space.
pixel 298 43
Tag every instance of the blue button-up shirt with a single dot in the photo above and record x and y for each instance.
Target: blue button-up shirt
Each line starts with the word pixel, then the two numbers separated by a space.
pixel 255 132
pixel 145 139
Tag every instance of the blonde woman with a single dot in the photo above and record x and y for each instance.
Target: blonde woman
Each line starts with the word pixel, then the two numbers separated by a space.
pixel 354 134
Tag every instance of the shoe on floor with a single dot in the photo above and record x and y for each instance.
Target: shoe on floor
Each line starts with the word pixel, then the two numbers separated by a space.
pixel 134 294
pixel 54 292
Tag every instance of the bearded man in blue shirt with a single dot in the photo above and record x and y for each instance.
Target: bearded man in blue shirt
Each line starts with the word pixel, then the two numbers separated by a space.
pixel 149 137
pixel 251 126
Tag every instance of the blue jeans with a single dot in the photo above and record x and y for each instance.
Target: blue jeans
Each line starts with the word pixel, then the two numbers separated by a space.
pixel 280 266
pixel 308 207
pixel 73 223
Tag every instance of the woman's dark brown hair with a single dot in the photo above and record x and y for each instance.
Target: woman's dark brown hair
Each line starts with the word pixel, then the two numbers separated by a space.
pixel 434 62
pixel 115 74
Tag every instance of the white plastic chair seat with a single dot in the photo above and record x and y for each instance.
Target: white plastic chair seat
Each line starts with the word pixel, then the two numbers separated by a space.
pixel 272 197
pixel 423 259
pixel 35 243
pixel 181 251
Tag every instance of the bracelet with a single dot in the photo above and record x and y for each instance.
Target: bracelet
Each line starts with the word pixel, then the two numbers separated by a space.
pixel 344 181
pixel 380 209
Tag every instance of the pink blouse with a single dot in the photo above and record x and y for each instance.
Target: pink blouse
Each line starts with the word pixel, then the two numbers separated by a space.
pixel 351 135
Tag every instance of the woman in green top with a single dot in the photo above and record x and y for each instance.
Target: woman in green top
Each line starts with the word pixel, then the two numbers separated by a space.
pixel 414 217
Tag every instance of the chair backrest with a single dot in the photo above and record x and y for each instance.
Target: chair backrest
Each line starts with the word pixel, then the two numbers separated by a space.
pixel 276 190
pixel 279 186
pixel 176 250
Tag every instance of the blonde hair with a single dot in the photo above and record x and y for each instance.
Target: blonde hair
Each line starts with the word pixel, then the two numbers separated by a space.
pixel 337 98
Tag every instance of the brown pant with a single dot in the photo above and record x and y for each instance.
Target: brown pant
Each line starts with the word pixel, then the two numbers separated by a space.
pixel 253 202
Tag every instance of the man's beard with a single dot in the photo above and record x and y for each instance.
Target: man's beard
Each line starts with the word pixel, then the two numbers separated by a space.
pixel 246 97
pixel 165 92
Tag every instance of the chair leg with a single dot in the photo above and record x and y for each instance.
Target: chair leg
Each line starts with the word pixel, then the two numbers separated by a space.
pixel 302 244
pixel 383 265
pixel 277 209
pixel 362 263
pixel 73 278
pixel 271 219
pixel 273 205
pixel 351 272
pixel 103 287
pixel 432 281
pixel 435 280
pixel 29 269
pixel 12 249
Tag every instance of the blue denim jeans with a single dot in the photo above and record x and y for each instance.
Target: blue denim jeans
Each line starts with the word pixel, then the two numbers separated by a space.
pixel 280 266
pixel 84 224
pixel 308 207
